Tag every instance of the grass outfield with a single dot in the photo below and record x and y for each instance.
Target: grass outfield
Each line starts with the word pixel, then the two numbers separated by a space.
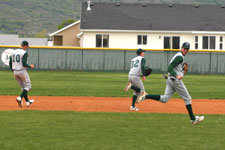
pixel 60 130
pixel 36 130
pixel 107 84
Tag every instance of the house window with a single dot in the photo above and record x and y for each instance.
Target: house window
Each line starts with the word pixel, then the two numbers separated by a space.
pixel 209 42
pixel 102 40
pixel 98 40
pixel 105 40
pixel 167 42
pixel 205 42
pixel 172 42
pixel 221 43
pixel 221 39
pixel 212 42
pixel 142 39
pixel 196 45
pixel 176 42
pixel 139 39
pixel 196 42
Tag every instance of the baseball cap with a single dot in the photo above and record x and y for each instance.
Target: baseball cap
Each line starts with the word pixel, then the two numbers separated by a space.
pixel 186 45
pixel 25 43
pixel 139 51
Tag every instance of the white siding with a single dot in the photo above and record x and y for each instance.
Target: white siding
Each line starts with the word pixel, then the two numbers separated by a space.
pixel 88 40
pixel 154 41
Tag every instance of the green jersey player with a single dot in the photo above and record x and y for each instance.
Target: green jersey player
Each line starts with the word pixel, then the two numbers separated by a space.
pixel 175 84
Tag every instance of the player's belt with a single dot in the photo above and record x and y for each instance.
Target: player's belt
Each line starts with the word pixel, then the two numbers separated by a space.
pixel 172 78
pixel 134 75
pixel 18 70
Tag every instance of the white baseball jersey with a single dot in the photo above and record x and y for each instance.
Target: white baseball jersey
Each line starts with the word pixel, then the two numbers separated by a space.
pixel 17 57
pixel 180 68
pixel 176 85
pixel 135 68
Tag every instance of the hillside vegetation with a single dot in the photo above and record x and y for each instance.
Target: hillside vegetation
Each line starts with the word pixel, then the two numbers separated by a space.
pixel 28 17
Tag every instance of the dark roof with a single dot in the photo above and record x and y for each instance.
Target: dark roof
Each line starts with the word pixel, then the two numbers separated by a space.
pixel 179 17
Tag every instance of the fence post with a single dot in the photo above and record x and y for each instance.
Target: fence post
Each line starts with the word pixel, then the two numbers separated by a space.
pixel 124 60
pixel 104 67
pixel 66 59
pixel 38 58
pixel 210 62
pixel 82 56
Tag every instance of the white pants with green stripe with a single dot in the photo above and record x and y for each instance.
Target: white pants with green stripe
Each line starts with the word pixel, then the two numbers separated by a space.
pixel 136 81
pixel 175 86
pixel 23 79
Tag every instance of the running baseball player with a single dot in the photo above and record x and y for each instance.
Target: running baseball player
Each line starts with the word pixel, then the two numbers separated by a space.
pixel 175 84
pixel 137 70
pixel 18 65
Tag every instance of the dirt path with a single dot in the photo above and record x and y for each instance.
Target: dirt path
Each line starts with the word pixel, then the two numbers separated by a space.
pixel 111 104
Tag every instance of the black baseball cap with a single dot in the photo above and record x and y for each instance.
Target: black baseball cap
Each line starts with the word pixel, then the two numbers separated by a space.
pixel 139 51
pixel 25 43
pixel 186 45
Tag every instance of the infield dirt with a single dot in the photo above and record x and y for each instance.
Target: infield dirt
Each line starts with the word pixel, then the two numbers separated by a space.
pixel 113 104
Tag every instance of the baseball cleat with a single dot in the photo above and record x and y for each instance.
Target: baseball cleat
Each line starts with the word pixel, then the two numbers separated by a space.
pixel 29 103
pixel 128 86
pixel 134 108
pixel 165 76
pixel 141 97
pixel 19 101
pixel 197 120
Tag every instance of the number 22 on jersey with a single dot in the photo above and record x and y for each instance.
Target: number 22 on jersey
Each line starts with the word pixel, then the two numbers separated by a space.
pixel 134 64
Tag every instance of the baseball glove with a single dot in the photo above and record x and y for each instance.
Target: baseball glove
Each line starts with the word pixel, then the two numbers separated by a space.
pixel 148 71
pixel 185 68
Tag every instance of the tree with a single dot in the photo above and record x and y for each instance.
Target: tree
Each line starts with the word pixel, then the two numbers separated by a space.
pixel 65 23
pixel 42 34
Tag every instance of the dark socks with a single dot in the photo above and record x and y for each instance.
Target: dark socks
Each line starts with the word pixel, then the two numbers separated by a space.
pixel 134 100
pixel 26 98
pixel 154 97
pixel 136 89
pixel 189 108
pixel 24 93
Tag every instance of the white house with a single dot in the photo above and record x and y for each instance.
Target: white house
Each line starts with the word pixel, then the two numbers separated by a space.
pixel 152 26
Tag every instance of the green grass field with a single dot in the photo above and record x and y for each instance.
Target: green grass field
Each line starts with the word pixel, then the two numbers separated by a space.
pixel 66 130
pixel 41 130
pixel 107 84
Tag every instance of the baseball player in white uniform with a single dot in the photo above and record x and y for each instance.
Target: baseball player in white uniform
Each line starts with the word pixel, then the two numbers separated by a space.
pixel 174 84
pixel 137 70
pixel 18 64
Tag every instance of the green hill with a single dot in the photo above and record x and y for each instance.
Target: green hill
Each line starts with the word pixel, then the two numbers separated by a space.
pixel 28 17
